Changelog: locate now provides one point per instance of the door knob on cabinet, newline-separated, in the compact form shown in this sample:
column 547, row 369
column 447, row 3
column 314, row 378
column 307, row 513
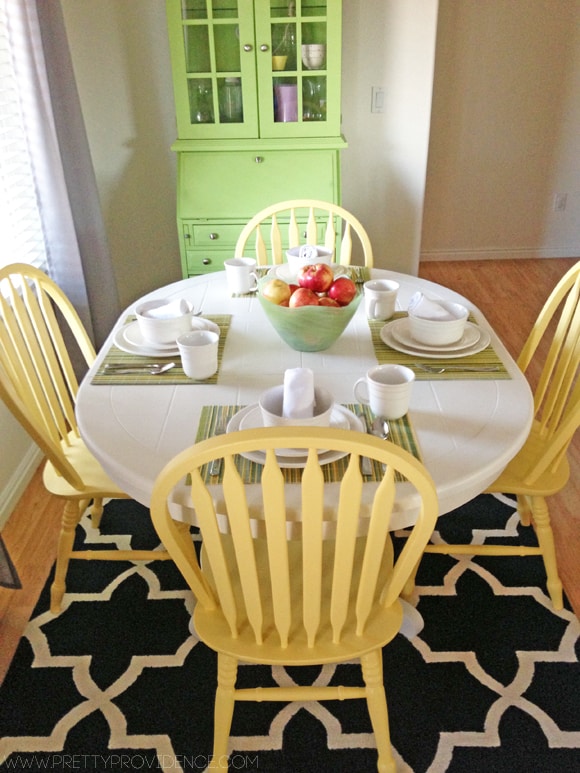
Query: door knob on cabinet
column 206, row 261
column 264, row 47
column 247, row 47
column 214, row 236
column 259, row 159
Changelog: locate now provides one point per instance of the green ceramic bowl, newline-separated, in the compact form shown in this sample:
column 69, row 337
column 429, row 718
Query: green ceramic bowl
column 308, row 328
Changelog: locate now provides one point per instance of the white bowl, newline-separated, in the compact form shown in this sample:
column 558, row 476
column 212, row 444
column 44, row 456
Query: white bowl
column 313, row 55
column 158, row 330
column 271, row 407
column 439, row 332
column 296, row 262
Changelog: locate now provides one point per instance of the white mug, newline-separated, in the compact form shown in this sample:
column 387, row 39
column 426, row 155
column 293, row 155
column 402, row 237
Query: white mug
column 387, row 389
column 380, row 298
column 199, row 353
column 241, row 275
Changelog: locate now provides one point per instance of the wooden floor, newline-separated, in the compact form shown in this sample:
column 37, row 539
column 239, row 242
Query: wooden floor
column 510, row 294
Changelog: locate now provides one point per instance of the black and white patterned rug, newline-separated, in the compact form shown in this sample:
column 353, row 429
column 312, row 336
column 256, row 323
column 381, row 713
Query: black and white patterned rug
column 119, row 681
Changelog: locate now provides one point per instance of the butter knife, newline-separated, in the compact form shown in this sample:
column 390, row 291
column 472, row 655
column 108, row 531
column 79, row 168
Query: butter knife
column 215, row 466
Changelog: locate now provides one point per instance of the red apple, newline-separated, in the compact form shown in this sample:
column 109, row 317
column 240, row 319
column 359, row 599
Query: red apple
column 303, row 297
column 317, row 277
column 326, row 301
column 276, row 291
column 293, row 288
column 342, row 290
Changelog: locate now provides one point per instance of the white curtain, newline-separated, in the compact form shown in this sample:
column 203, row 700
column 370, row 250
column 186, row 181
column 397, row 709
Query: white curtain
column 77, row 252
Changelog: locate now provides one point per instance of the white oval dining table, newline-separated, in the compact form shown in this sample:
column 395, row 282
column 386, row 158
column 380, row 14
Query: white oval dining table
column 467, row 430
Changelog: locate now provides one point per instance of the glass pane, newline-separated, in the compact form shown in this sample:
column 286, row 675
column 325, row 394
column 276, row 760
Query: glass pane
column 197, row 57
column 230, row 100
column 314, row 32
column 282, row 8
column 313, row 8
column 313, row 56
column 225, row 9
column 200, row 100
column 193, row 9
column 314, row 99
column 285, row 100
column 227, row 47
column 283, row 44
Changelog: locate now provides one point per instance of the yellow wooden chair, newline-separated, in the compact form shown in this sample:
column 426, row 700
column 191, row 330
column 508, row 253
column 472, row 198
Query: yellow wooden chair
column 39, row 387
column 541, row 468
column 325, row 592
column 291, row 215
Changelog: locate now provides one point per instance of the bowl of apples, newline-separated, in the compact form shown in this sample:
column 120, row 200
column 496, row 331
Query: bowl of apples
column 312, row 313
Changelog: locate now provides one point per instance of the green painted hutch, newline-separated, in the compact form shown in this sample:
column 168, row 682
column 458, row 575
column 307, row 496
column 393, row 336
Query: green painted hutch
column 257, row 97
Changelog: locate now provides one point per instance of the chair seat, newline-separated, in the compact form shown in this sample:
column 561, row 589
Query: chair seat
column 384, row 624
column 95, row 479
column 513, row 479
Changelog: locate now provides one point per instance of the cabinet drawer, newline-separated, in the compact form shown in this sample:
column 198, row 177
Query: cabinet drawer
column 238, row 184
column 212, row 235
column 204, row 262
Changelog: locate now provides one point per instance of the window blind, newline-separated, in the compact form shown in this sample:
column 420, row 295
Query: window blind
column 21, row 233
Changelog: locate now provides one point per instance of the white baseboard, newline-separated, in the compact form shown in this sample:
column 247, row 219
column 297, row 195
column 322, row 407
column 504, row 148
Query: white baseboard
column 18, row 482
column 498, row 254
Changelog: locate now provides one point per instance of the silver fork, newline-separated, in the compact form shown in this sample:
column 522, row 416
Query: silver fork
column 457, row 368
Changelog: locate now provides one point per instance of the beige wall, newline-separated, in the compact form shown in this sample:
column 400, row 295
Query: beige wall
column 505, row 131
column 390, row 45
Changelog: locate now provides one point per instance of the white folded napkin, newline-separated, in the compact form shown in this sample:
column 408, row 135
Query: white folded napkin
column 425, row 308
column 308, row 252
column 298, row 399
column 169, row 310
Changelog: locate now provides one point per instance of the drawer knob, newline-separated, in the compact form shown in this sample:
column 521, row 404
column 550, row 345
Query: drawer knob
column 206, row 261
column 259, row 159
column 214, row 236
column 247, row 47
column 264, row 47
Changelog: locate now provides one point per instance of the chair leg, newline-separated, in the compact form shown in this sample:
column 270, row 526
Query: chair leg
column 71, row 515
column 541, row 516
column 372, row 670
column 224, row 710
column 523, row 507
column 96, row 511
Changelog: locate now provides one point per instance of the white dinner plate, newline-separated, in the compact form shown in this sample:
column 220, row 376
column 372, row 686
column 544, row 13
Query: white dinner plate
column 400, row 329
column 129, row 339
column 136, row 344
column 133, row 336
column 287, row 275
column 418, row 351
column 250, row 417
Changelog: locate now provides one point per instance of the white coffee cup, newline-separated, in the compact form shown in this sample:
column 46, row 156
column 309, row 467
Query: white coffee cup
column 387, row 389
column 199, row 353
column 380, row 298
column 241, row 275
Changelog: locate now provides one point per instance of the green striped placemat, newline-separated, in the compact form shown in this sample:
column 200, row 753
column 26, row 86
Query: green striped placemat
column 215, row 417
column 173, row 376
column 386, row 355
column 360, row 274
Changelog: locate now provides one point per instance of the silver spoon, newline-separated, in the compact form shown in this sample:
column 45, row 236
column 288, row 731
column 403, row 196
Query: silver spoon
column 456, row 368
column 380, row 428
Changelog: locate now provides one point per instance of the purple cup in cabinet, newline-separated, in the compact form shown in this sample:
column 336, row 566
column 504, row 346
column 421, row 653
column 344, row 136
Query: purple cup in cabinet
column 286, row 103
